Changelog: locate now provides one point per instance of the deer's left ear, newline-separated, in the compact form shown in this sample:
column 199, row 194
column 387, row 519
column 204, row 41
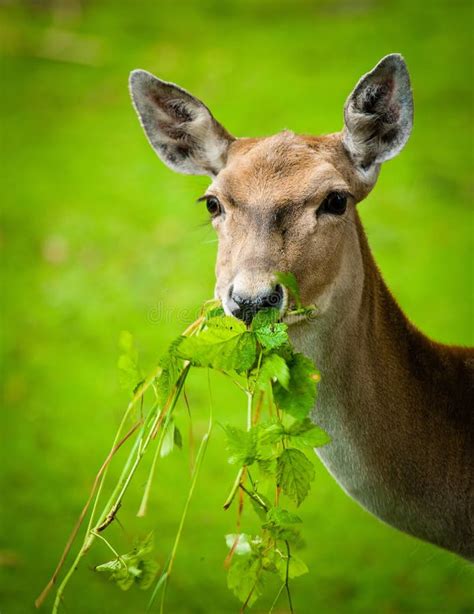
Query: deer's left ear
column 378, row 115
column 180, row 128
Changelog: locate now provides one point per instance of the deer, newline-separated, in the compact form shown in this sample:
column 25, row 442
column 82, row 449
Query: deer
column 398, row 406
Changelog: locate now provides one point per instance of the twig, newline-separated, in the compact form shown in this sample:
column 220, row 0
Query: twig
column 39, row 601
column 144, row 502
column 234, row 489
column 276, row 598
column 255, row 497
column 238, row 479
column 124, row 481
column 287, row 576
column 109, row 545
column 249, row 596
column 228, row 558
column 110, row 512
column 163, row 580
column 190, row 433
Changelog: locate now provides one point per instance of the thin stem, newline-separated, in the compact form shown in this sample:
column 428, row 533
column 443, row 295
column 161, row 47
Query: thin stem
column 287, row 577
column 167, row 572
column 142, row 448
column 229, row 557
column 190, row 432
column 249, row 596
column 109, row 545
column 276, row 598
column 234, row 381
column 255, row 497
column 139, row 394
column 146, row 494
column 82, row 515
column 108, row 514
column 104, row 520
column 238, row 479
column 259, row 364
column 234, row 489
column 258, row 408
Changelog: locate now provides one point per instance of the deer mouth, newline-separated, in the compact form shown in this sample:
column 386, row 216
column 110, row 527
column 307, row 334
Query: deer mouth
column 295, row 315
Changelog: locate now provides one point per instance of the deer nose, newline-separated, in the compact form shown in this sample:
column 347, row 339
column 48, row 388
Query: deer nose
column 245, row 307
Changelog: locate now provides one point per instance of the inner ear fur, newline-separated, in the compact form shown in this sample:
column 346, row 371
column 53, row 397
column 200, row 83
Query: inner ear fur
column 378, row 114
column 179, row 127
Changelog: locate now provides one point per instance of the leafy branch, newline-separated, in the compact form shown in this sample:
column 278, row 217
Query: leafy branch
column 280, row 388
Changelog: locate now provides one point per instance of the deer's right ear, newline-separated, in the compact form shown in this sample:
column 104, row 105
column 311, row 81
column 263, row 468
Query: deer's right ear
column 179, row 127
column 378, row 115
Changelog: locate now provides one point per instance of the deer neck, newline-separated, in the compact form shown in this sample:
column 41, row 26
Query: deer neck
column 355, row 343
column 396, row 405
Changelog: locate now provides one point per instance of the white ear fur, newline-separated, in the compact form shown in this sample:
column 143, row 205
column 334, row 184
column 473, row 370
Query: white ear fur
column 378, row 115
column 179, row 127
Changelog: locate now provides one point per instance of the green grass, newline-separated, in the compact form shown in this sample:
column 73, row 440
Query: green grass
column 98, row 236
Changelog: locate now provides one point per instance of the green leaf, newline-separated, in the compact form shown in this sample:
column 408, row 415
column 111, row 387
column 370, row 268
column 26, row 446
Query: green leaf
column 143, row 546
column 306, row 433
column 299, row 397
column 147, row 568
column 289, row 281
column 135, row 567
column 171, row 367
column 228, row 323
column 225, row 344
column 269, row 332
column 216, row 312
column 178, row 438
column 294, row 474
column 265, row 317
column 212, row 309
column 258, row 508
column 273, row 369
column 271, row 432
column 129, row 371
column 244, row 578
column 277, row 515
column 168, row 440
column 118, row 572
column 296, row 568
column 267, row 467
column 272, row 336
column 241, row 445
column 281, row 524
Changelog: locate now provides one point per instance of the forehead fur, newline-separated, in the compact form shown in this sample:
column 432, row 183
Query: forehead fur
column 286, row 168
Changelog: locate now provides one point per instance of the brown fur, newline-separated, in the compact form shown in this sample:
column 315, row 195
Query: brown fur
column 422, row 427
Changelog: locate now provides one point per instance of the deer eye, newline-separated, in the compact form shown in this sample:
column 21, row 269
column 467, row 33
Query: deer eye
column 335, row 203
column 213, row 206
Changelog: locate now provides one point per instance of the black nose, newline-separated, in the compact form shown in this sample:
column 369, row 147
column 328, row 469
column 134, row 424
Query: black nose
column 245, row 307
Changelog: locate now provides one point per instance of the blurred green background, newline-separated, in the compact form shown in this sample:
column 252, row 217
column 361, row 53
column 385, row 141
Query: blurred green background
column 98, row 236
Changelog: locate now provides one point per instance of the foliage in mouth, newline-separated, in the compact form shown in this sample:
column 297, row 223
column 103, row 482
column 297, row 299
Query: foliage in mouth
column 272, row 455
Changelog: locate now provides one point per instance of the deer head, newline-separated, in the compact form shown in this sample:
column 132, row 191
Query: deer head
column 285, row 202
